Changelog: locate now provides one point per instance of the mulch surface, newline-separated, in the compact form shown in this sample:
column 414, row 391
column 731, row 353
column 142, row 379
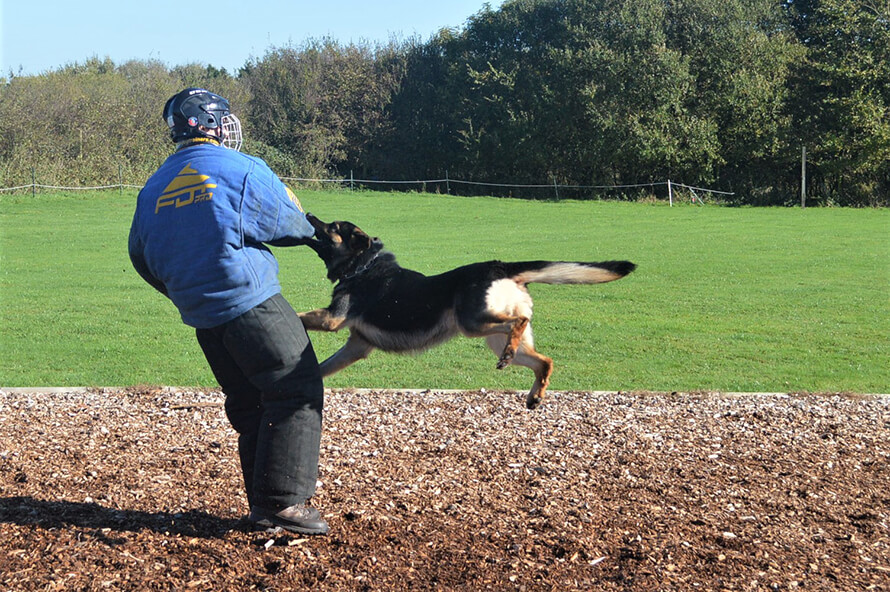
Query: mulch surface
column 139, row 489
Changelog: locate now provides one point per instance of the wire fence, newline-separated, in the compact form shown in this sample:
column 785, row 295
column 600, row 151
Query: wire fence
column 555, row 187
column 33, row 187
column 552, row 190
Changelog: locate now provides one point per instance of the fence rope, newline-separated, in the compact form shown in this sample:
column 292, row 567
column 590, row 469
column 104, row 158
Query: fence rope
column 351, row 181
column 693, row 188
column 480, row 183
column 67, row 188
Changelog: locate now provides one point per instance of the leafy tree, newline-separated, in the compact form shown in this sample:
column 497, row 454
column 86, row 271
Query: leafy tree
column 841, row 104
column 422, row 140
column 322, row 102
column 580, row 90
column 586, row 92
column 740, row 53
column 90, row 123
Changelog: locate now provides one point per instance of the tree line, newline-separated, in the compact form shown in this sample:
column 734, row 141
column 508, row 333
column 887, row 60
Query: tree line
column 718, row 93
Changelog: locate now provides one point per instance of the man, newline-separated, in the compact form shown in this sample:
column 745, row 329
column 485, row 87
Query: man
column 199, row 236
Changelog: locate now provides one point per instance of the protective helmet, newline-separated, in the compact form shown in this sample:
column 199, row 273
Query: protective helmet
column 194, row 107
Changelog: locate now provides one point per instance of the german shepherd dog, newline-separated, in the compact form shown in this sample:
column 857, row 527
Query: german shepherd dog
column 394, row 309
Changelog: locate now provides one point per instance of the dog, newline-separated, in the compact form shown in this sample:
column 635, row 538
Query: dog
column 394, row 309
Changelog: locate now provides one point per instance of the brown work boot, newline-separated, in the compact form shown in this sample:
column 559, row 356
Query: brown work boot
column 298, row 518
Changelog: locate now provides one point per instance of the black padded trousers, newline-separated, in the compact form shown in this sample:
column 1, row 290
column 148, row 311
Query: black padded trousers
column 265, row 365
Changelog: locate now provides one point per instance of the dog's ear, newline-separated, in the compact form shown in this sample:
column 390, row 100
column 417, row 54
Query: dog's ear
column 359, row 241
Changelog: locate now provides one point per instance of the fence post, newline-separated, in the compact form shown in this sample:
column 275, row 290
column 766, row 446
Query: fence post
column 120, row 179
column 556, row 188
column 670, row 194
column 803, row 177
column 351, row 181
column 33, row 182
column 447, row 184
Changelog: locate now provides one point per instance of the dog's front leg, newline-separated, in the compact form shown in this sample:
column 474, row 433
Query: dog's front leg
column 356, row 348
column 321, row 319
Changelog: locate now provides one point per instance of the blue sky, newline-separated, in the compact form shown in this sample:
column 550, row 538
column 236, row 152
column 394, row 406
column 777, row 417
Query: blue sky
column 36, row 35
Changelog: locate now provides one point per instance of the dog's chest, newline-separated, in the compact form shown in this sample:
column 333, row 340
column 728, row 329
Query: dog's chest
column 509, row 298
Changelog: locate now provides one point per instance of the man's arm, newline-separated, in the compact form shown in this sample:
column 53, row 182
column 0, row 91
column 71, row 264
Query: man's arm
column 139, row 264
column 273, row 214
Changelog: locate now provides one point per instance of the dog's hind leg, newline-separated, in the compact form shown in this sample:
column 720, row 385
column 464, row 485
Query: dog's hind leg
column 526, row 356
column 505, row 330
column 514, row 337
column 542, row 367
column 356, row 348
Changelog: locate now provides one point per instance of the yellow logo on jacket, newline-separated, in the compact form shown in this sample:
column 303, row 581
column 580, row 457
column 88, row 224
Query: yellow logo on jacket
column 188, row 187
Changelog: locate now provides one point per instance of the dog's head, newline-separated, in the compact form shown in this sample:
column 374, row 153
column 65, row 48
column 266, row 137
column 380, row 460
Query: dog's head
column 342, row 246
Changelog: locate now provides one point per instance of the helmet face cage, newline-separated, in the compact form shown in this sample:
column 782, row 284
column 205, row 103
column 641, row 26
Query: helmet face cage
column 231, row 132
column 195, row 108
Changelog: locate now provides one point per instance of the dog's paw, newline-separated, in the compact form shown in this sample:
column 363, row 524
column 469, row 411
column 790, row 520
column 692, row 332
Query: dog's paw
column 533, row 402
column 505, row 360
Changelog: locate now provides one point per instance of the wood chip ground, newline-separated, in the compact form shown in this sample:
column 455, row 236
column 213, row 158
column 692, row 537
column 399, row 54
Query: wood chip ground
column 139, row 489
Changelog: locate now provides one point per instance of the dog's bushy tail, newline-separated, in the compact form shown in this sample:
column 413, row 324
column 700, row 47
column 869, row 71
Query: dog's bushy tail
column 567, row 272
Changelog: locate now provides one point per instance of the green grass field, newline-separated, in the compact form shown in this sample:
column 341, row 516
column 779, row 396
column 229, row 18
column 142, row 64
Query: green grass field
column 730, row 299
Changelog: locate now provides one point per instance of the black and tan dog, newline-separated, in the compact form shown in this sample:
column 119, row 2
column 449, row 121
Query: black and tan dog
column 388, row 307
